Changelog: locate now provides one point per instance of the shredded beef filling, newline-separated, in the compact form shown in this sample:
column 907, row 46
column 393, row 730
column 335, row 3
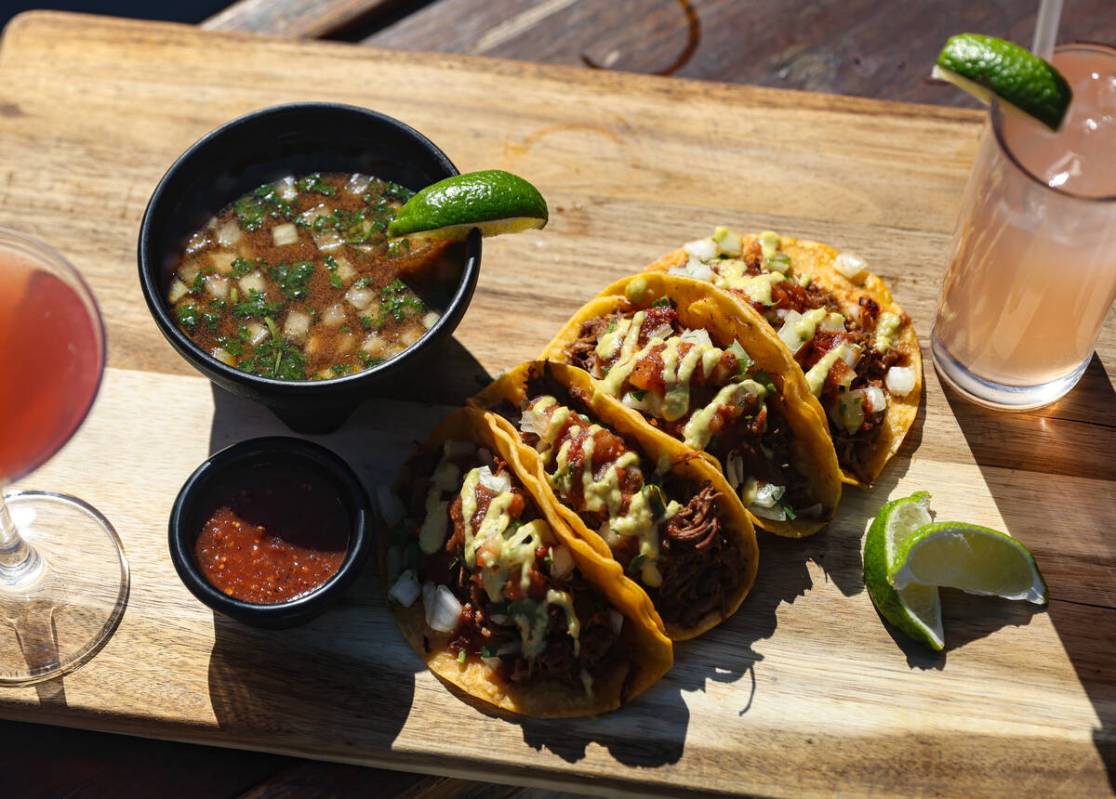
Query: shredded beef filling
column 701, row 566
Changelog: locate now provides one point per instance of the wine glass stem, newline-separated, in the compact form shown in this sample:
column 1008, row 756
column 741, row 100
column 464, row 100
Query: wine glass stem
column 17, row 559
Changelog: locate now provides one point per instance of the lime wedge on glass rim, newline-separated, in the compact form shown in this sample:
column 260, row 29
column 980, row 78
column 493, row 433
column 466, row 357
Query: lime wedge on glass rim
column 494, row 201
column 916, row 610
column 985, row 66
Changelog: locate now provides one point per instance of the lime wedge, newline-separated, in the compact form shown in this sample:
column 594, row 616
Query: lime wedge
column 975, row 559
column 985, row 66
column 915, row 609
column 493, row 200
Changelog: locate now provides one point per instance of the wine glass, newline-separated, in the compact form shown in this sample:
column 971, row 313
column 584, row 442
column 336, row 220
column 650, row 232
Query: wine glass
column 63, row 574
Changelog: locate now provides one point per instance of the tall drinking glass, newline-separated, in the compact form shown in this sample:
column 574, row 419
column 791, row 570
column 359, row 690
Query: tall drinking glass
column 1033, row 269
column 63, row 575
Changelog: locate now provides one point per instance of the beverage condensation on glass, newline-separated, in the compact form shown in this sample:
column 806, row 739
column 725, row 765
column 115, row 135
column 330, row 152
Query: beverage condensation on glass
column 1033, row 270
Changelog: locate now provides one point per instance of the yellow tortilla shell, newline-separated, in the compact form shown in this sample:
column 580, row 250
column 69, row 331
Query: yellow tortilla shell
column 816, row 260
column 512, row 387
column 646, row 653
column 701, row 305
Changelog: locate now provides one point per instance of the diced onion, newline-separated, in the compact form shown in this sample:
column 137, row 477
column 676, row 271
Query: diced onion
column 850, row 265
column 405, row 590
column 874, row 399
column 699, row 337
column 430, row 318
column 532, row 421
column 851, row 354
column 699, row 270
column 900, row 380
column 223, row 355
column 253, row 281
column 663, row 331
column 334, row 315
column 375, row 345
column 297, row 325
column 327, row 240
column 188, row 272
column 702, row 249
column 776, row 513
column 391, row 507
column 222, row 261
column 767, row 494
column 282, row 235
column 410, row 335
column 360, row 298
column 285, row 188
column 177, row 291
column 217, row 287
column 228, row 234
column 561, row 561
column 443, row 610
column 833, row 323
column 788, row 333
column 308, row 216
column 497, row 483
column 345, row 270
column 256, row 333
column 458, row 449
column 615, row 620
column 358, row 183
column 728, row 243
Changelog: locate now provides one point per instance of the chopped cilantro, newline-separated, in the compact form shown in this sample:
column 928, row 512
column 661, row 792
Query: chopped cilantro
column 397, row 191
column 211, row 319
column 276, row 358
column 764, row 379
column 662, row 302
column 242, row 266
column 638, row 394
column 636, row 564
column 366, row 322
column 315, row 183
column 187, row 315
column 368, row 360
column 790, row 512
column 234, row 346
column 256, row 306
column 397, row 301
column 397, row 247
column 461, row 656
column 293, row 279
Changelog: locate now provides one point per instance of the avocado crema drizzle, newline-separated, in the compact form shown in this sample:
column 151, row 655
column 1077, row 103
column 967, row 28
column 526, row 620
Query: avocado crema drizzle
column 497, row 546
column 647, row 508
column 620, row 345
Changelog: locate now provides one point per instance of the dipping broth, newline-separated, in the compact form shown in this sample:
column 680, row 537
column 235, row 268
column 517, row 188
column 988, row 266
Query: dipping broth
column 280, row 534
column 297, row 281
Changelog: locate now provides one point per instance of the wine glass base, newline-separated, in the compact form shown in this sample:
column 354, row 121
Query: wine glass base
column 58, row 614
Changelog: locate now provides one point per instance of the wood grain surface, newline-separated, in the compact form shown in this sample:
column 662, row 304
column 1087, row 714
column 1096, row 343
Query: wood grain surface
column 804, row 692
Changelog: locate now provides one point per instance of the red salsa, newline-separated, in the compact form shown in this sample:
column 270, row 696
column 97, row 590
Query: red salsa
column 277, row 536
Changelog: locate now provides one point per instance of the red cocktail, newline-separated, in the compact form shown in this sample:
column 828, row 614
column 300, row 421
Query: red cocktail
column 63, row 575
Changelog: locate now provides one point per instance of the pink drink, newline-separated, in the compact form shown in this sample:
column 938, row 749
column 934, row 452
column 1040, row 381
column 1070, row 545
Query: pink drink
column 1034, row 261
column 51, row 359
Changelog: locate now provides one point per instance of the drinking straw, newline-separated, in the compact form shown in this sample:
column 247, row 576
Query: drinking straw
column 1046, row 29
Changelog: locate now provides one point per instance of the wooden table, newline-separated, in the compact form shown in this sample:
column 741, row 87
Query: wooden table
column 854, row 51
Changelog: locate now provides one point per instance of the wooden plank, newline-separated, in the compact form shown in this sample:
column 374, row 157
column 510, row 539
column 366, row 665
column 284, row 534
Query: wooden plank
column 297, row 19
column 842, row 48
column 802, row 693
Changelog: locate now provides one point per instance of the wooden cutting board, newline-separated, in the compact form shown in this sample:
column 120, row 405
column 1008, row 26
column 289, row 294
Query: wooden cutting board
column 805, row 691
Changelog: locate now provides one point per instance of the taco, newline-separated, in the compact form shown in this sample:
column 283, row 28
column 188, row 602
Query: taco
column 499, row 597
column 677, row 354
column 666, row 516
column 856, row 345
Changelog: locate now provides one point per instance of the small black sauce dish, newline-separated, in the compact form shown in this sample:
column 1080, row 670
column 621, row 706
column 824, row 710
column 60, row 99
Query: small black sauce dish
column 211, row 482
column 261, row 147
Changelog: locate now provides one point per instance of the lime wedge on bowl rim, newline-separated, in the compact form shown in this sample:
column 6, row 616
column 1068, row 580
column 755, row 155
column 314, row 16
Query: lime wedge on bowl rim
column 985, row 66
column 492, row 200
column 916, row 609
column 975, row 559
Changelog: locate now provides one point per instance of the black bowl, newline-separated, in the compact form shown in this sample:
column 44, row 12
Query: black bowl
column 263, row 146
column 205, row 488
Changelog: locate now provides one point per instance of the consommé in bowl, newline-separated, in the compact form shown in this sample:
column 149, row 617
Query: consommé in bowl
column 267, row 146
